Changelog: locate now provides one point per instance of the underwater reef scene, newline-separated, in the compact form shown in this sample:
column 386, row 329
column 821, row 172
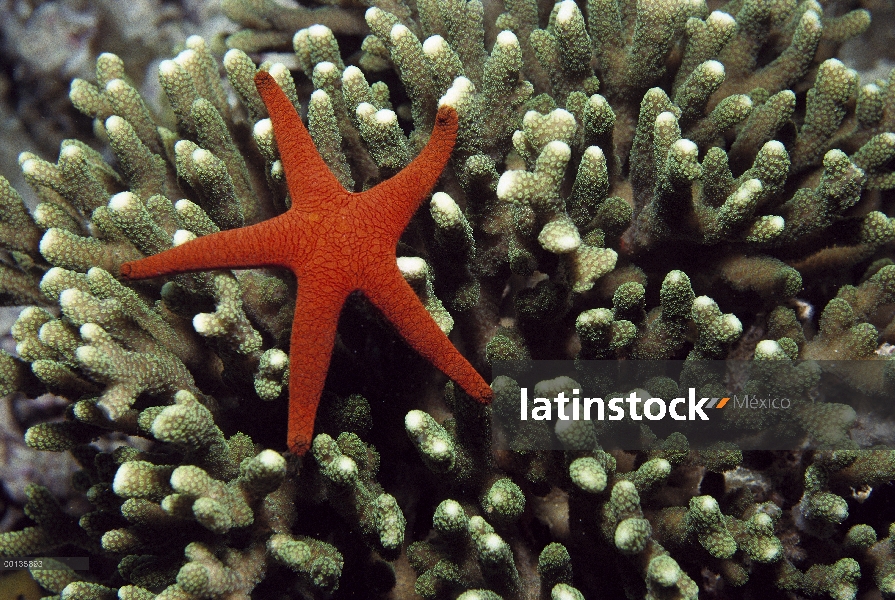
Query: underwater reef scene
column 631, row 181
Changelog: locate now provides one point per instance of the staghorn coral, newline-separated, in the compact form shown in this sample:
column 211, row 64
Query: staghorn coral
column 652, row 180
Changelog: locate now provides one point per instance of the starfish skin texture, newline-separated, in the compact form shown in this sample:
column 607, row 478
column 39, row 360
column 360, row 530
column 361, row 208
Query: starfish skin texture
column 335, row 242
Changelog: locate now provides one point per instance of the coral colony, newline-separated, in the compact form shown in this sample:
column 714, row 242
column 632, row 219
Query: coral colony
column 612, row 180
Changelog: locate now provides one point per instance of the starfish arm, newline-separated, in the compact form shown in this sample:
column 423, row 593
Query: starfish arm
column 317, row 311
column 244, row 248
column 307, row 175
column 392, row 295
column 397, row 199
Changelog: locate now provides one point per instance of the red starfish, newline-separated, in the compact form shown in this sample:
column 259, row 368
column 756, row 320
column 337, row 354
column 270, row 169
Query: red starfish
column 335, row 242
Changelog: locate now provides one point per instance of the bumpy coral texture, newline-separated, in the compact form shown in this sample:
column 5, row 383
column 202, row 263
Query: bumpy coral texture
column 630, row 180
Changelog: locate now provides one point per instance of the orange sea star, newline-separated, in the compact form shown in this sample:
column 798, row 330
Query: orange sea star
column 335, row 242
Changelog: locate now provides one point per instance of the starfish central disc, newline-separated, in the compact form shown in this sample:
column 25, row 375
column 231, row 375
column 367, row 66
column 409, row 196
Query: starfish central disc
column 335, row 242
